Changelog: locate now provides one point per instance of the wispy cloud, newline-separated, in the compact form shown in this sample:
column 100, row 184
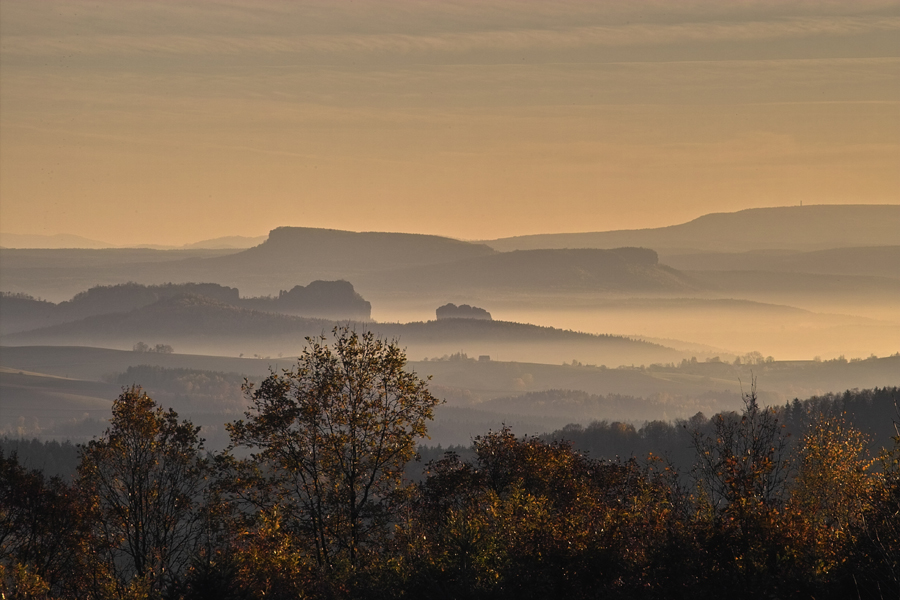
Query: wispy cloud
column 459, row 42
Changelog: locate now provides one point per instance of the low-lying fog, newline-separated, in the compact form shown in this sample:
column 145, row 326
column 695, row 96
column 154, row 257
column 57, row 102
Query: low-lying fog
column 803, row 330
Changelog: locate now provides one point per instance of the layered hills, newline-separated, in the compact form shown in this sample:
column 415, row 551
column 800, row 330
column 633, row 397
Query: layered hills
column 798, row 283
column 791, row 256
column 199, row 324
column 815, row 240
column 374, row 262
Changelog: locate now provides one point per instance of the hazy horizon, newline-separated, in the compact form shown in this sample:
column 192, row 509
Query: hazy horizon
column 232, row 237
column 169, row 123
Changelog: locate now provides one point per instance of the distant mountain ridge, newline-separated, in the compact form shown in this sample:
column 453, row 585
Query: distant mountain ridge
column 385, row 265
column 66, row 241
column 786, row 227
column 228, row 242
column 878, row 261
column 57, row 241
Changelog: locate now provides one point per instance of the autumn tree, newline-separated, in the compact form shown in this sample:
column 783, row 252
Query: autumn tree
column 830, row 493
column 741, row 470
column 832, row 487
column 531, row 519
column 873, row 566
column 330, row 440
column 743, row 463
column 44, row 536
column 145, row 478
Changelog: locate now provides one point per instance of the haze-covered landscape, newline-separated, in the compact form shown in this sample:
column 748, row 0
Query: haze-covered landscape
column 590, row 239
column 814, row 312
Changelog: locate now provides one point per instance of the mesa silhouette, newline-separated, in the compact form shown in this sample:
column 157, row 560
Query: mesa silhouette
column 303, row 249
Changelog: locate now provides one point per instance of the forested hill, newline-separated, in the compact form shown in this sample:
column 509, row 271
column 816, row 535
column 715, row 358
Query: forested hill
column 319, row 299
column 786, row 227
column 175, row 317
column 872, row 411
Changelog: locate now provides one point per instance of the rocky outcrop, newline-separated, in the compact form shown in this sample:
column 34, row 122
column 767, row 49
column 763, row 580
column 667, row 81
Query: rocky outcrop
column 323, row 299
column 463, row 311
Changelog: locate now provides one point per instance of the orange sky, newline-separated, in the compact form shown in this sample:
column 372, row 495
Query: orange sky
column 165, row 122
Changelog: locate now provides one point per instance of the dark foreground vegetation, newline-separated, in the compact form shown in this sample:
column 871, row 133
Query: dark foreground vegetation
column 310, row 502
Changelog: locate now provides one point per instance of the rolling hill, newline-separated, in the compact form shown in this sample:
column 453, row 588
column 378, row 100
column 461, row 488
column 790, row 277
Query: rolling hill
column 788, row 227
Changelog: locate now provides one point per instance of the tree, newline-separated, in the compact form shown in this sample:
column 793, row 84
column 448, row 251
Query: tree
column 332, row 437
column 874, row 562
column 832, row 490
column 832, row 485
column 530, row 519
column 743, row 464
column 741, row 473
column 43, row 535
column 145, row 479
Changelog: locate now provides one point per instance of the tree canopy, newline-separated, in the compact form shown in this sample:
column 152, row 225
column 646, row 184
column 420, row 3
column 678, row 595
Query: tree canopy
column 333, row 436
column 144, row 478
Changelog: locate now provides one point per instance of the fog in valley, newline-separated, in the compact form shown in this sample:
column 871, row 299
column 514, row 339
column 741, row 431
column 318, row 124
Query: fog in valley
column 509, row 336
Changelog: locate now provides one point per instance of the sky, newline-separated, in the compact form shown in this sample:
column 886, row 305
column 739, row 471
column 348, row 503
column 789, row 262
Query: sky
column 173, row 122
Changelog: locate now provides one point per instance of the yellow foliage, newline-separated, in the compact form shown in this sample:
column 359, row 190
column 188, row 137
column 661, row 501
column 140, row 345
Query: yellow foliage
column 17, row 581
column 832, row 489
